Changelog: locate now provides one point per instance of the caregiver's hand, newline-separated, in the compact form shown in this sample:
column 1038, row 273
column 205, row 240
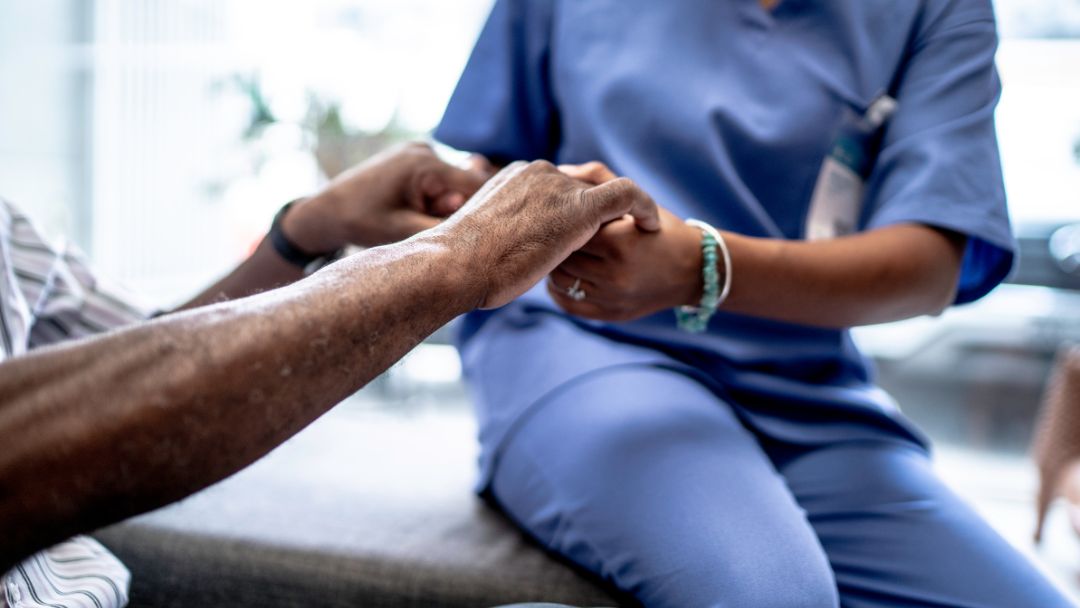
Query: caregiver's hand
column 528, row 219
column 388, row 198
column 624, row 272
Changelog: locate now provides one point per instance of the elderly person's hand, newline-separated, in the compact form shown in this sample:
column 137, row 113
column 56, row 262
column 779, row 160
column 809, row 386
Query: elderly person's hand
column 388, row 198
column 625, row 273
column 529, row 218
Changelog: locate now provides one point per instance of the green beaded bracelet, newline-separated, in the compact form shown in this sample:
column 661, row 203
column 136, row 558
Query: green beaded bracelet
column 695, row 319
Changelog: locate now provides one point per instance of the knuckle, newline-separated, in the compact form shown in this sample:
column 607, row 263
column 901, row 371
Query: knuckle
column 625, row 186
column 542, row 166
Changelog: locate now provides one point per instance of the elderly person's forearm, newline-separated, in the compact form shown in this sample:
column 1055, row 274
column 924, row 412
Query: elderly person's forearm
column 102, row 429
column 142, row 417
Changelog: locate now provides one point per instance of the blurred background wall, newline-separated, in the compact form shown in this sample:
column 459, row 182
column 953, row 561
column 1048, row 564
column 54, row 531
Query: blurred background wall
column 161, row 135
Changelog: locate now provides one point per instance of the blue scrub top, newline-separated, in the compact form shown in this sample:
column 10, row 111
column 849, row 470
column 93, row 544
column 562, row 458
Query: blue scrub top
column 724, row 111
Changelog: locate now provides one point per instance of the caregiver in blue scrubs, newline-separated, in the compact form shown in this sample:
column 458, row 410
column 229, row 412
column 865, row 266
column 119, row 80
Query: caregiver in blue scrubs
column 845, row 152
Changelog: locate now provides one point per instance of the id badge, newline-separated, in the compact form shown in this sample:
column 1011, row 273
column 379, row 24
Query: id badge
column 836, row 204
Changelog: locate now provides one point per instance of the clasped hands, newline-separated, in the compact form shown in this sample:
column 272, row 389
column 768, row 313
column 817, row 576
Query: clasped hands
column 626, row 272
column 600, row 237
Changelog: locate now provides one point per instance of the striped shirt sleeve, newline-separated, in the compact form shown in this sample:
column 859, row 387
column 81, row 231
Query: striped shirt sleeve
column 79, row 573
column 64, row 298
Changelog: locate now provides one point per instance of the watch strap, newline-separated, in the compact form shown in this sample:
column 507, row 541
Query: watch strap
column 288, row 250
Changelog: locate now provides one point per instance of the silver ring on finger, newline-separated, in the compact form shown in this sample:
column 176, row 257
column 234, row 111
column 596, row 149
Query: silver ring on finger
column 575, row 292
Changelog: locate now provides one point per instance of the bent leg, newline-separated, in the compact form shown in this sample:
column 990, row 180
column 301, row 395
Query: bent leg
column 643, row 476
column 897, row 536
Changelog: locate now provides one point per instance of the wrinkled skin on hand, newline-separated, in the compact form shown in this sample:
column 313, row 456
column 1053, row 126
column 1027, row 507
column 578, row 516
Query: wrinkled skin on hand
column 529, row 218
column 386, row 199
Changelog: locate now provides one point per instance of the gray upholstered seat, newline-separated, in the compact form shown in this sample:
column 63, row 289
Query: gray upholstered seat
column 361, row 509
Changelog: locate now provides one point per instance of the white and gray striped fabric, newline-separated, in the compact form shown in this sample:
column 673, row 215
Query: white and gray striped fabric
column 48, row 295
column 79, row 572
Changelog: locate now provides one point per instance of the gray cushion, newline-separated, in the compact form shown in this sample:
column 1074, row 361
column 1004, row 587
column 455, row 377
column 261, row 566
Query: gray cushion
column 361, row 509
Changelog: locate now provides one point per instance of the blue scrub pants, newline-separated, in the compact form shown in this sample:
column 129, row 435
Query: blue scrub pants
column 645, row 477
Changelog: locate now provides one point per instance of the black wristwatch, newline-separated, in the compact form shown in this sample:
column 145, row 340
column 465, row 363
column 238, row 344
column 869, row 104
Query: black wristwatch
column 288, row 250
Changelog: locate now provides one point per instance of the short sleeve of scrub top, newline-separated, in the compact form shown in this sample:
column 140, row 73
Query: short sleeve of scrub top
column 502, row 106
column 940, row 164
